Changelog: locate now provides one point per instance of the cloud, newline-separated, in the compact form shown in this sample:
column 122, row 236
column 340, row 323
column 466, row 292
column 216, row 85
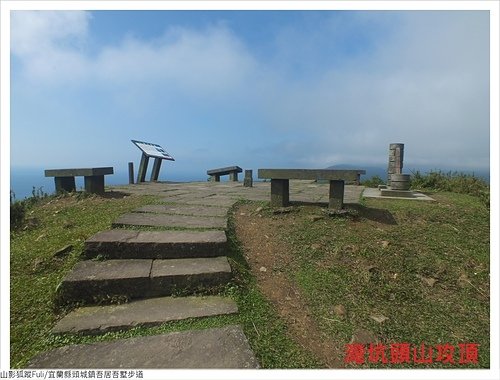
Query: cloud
column 50, row 43
column 338, row 88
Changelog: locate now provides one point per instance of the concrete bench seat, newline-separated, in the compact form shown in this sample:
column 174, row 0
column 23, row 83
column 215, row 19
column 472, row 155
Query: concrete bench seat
column 64, row 179
column 231, row 170
column 280, row 196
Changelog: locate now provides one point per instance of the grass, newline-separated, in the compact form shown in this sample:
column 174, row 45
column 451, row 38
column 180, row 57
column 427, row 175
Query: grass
column 50, row 225
column 424, row 266
column 54, row 223
column 374, row 261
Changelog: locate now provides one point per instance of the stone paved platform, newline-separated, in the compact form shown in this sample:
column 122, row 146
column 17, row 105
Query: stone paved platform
column 227, row 193
column 225, row 347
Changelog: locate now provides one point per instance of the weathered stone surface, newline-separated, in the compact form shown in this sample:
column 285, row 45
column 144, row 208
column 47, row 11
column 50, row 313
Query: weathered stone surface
column 211, row 201
column 167, row 276
column 280, row 195
column 395, row 194
column 78, row 172
column 225, row 347
column 63, row 251
column 165, row 220
column 96, row 280
column 91, row 280
column 248, row 180
column 121, row 243
column 312, row 174
column 336, row 195
column 180, row 209
column 148, row 312
column 224, row 171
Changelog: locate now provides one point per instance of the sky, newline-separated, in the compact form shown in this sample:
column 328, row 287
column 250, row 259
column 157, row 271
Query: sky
column 305, row 89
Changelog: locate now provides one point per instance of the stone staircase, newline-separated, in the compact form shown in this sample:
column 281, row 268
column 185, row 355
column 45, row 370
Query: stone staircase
column 146, row 268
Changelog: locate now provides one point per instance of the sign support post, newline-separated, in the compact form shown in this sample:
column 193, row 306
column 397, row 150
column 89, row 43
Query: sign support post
column 156, row 169
column 143, row 167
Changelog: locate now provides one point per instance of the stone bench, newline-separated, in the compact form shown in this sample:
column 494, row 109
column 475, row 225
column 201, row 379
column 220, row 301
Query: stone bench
column 231, row 170
column 65, row 178
column 280, row 196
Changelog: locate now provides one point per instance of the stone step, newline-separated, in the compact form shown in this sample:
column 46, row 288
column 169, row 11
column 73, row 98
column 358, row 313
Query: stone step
column 128, row 244
column 172, row 221
column 149, row 312
column 218, row 201
column 225, row 347
column 97, row 281
column 183, row 209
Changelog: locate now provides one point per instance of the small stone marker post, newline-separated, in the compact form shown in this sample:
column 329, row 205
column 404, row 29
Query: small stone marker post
column 396, row 152
column 131, row 173
column 248, row 181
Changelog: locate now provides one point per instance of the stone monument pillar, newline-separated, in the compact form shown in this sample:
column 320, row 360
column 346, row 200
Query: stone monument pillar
column 396, row 152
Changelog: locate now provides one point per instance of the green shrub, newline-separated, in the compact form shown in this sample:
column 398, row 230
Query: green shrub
column 453, row 182
column 18, row 208
column 17, row 214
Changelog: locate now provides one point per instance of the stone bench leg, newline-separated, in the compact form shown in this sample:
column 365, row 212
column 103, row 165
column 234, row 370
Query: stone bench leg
column 280, row 196
column 233, row 176
column 336, row 197
column 94, row 184
column 65, row 184
column 216, row 178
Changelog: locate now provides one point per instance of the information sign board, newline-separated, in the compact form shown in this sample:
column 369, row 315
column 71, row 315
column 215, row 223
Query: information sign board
column 153, row 150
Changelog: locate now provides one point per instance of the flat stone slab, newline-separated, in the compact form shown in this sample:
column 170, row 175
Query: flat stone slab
column 128, row 244
column 179, row 209
column 148, row 312
column 165, row 220
column 95, row 280
column 225, row 347
column 413, row 195
column 209, row 201
column 168, row 276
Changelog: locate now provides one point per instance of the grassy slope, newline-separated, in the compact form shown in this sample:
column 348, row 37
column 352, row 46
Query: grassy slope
column 35, row 274
column 443, row 240
column 383, row 262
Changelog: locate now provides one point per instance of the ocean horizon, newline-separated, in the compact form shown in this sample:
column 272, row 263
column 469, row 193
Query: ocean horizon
column 23, row 181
